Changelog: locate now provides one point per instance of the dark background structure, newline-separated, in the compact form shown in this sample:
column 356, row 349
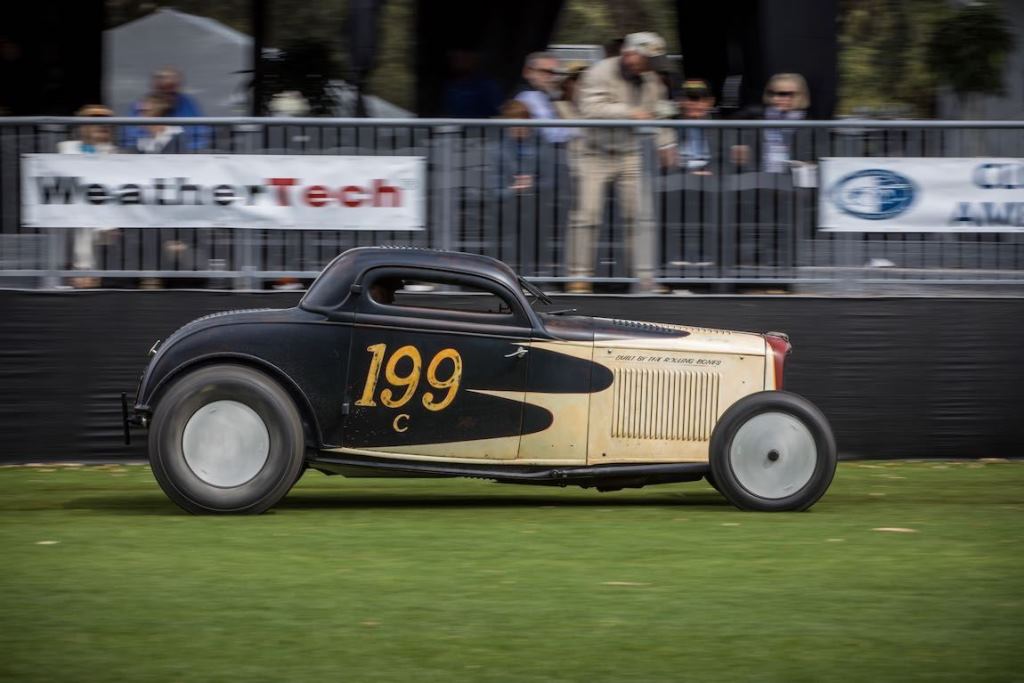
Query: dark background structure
column 52, row 56
column 897, row 377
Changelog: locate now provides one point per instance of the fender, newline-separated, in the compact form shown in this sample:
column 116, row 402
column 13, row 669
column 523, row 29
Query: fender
column 293, row 389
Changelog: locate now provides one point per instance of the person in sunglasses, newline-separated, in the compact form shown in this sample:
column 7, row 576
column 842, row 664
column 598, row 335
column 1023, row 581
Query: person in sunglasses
column 540, row 95
column 695, row 104
column 541, row 76
column 786, row 98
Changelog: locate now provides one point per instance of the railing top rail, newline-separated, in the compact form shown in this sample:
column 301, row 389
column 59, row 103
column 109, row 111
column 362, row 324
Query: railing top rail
column 836, row 124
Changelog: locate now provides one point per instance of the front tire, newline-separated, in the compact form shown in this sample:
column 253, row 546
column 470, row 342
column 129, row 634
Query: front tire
column 773, row 451
column 226, row 439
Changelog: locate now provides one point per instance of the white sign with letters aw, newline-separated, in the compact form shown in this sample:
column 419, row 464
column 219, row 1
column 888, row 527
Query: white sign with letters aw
column 900, row 195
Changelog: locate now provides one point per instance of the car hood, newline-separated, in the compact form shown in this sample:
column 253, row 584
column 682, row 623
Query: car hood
column 612, row 332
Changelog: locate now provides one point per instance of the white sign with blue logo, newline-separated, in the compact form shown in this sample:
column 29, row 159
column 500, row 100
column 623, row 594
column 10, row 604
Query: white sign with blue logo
column 895, row 195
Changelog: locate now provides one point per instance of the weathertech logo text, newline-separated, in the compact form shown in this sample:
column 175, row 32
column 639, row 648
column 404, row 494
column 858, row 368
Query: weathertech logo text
column 285, row 191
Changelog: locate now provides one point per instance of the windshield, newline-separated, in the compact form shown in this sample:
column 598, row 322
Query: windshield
column 533, row 292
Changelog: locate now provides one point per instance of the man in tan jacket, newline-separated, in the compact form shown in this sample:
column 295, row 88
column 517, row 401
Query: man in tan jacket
column 623, row 87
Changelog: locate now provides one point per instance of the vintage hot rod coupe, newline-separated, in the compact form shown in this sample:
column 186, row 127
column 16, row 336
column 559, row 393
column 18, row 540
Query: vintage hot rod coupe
column 367, row 378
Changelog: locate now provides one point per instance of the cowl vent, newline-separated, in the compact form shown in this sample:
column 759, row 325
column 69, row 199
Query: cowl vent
column 646, row 327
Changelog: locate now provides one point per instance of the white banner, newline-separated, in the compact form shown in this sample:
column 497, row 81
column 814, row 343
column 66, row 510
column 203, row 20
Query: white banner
column 922, row 195
column 210, row 190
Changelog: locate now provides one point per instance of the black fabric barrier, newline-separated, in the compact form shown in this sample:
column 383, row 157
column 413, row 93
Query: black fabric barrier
column 897, row 377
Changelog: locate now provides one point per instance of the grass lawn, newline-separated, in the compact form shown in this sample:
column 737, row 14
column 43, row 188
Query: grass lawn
column 103, row 579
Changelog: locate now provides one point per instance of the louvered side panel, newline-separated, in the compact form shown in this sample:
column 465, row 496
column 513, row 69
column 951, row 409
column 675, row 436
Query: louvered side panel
column 674, row 405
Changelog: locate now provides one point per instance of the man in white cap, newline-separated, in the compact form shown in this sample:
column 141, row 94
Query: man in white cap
column 623, row 87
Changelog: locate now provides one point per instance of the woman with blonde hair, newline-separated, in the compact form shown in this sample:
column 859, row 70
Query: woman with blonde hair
column 787, row 92
column 92, row 138
column 786, row 98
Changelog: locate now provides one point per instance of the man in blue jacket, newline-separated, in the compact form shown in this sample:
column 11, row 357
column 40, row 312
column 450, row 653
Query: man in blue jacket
column 167, row 82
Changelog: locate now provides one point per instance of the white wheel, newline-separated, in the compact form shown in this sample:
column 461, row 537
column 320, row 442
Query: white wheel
column 225, row 443
column 773, row 455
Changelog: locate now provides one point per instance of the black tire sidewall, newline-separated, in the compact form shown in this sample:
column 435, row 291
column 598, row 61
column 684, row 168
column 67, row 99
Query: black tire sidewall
column 772, row 401
column 245, row 385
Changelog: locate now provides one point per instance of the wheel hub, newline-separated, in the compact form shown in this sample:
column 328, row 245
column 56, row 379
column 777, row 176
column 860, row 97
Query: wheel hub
column 225, row 443
column 773, row 455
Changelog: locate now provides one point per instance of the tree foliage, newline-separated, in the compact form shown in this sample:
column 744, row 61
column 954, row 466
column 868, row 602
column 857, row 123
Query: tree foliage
column 595, row 23
column 894, row 54
column 969, row 49
column 882, row 50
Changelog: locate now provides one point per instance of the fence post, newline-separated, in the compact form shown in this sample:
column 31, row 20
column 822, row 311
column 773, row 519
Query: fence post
column 727, row 229
column 55, row 249
column 245, row 242
column 250, row 262
column 852, row 283
column 645, row 233
column 444, row 179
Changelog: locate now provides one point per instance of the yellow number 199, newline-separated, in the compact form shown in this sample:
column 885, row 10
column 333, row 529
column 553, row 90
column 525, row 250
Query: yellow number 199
column 410, row 380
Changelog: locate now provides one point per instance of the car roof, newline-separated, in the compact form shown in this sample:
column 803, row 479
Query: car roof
column 335, row 282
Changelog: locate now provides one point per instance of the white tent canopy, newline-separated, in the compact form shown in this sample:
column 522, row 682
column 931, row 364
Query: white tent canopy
column 211, row 56
column 208, row 53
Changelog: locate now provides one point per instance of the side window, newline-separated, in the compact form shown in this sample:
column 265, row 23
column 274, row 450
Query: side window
column 416, row 291
column 384, row 290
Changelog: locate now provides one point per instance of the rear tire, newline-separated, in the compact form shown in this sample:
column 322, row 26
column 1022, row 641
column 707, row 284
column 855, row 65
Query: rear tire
column 226, row 439
column 772, row 451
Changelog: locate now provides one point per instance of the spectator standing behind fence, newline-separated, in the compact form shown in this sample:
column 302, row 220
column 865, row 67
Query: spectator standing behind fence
column 92, row 139
column 161, row 139
column 623, row 87
column 519, row 159
column 695, row 104
column 786, row 98
column 541, row 73
column 168, row 82
column 540, row 95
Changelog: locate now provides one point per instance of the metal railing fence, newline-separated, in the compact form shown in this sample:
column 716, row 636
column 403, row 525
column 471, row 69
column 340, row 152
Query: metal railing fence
column 729, row 222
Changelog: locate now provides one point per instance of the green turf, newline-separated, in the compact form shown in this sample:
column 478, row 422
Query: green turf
column 103, row 579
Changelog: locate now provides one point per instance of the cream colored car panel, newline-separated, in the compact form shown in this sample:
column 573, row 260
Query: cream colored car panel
column 664, row 402
column 565, row 441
